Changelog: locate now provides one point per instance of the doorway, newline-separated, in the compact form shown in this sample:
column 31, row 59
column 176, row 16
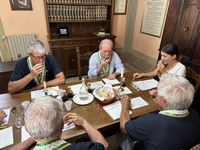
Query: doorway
column 4, row 50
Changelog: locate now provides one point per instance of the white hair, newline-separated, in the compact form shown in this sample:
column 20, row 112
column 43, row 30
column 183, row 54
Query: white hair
column 43, row 119
column 105, row 41
column 176, row 90
column 36, row 46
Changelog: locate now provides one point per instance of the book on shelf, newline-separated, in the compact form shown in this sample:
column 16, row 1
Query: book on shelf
column 145, row 84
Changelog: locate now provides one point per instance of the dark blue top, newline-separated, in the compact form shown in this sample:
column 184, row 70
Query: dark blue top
column 85, row 146
column 160, row 132
column 21, row 70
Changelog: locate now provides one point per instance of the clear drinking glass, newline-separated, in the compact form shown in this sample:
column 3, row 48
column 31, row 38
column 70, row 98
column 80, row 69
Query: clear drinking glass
column 19, row 119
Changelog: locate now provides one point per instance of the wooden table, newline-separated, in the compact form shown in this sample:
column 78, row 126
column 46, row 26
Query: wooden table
column 99, row 119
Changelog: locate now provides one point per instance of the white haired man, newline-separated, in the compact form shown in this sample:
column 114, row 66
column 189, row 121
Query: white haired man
column 105, row 62
column 174, row 127
column 33, row 70
column 44, row 121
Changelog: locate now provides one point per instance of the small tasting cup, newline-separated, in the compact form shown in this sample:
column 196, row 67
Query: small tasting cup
column 68, row 105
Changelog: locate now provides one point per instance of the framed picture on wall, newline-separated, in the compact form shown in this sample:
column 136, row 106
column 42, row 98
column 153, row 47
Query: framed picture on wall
column 120, row 7
column 20, row 4
column 153, row 18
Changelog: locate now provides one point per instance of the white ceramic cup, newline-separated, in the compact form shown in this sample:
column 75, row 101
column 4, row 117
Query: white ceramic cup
column 25, row 105
column 68, row 105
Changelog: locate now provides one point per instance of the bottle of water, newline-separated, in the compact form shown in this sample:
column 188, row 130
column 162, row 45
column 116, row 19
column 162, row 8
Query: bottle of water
column 83, row 93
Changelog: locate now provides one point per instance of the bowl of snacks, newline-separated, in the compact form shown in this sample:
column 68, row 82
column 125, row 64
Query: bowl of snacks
column 104, row 94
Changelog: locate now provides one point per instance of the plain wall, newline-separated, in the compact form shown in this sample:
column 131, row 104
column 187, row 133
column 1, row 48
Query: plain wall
column 119, row 28
column 25, row 22
column 144, row 43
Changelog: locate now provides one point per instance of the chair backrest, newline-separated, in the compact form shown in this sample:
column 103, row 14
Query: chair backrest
column 83, row 56
column 78, row 62
column 193, row 77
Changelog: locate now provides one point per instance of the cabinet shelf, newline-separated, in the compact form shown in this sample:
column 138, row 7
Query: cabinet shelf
column 81, row 20
column 80, row 4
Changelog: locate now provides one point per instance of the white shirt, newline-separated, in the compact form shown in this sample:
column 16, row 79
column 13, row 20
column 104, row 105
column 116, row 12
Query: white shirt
column 178, row 69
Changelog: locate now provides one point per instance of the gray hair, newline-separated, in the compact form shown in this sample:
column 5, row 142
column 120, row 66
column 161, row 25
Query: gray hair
column 176, row 90
column 105, row 41
column 43, row 119
column 36, row 46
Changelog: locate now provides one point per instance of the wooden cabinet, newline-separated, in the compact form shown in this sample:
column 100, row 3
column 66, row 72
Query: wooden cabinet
column 80, row 21
column 6, row 69
column 65, row 51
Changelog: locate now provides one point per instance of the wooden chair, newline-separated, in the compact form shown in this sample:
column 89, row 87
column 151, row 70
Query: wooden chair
column 193, row 77
column 78, row 62
column 82, row 60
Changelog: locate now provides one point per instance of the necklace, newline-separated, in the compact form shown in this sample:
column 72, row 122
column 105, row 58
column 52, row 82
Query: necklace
column 174, row 112
column 52, row 145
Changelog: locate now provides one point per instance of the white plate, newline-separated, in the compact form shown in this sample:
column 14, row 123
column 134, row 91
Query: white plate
column 83, row 102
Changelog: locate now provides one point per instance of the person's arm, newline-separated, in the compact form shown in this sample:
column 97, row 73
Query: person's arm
column 24, row 145
column 58, row 80
column 16, row 86
column 118, row 66
column 93, row 133
column 124, row 117
column 93, row 65
column 148, row 74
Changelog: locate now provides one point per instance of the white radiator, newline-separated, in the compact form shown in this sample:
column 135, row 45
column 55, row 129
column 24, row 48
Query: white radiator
column 18, row 44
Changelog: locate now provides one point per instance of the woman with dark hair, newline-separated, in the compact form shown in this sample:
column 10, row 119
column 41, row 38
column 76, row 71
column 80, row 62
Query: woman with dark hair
column 168, row 64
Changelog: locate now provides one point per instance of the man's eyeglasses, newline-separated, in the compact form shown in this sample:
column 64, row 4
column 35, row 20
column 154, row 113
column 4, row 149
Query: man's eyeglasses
column 38, row 57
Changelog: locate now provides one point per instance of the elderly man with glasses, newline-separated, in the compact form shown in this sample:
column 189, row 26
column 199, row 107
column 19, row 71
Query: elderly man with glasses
column 33, row 70
column 174, row 127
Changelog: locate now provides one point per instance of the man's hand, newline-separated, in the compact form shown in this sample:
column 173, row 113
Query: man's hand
column 104, row 62
column 2, row 115
column 74, row 118
column 36, row 70
column 153, row 93
column 112, row 76
column 125, row 102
